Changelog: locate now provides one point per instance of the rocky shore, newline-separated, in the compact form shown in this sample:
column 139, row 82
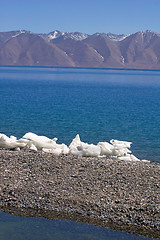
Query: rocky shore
column 107, row 190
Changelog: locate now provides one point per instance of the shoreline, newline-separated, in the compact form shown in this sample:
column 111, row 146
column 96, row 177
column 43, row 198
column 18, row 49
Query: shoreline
column 87, row 68
column 56, row 215
column 116, row 192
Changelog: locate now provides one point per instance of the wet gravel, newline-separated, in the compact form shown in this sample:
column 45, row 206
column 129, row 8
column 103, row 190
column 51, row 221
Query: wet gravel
column 106, row 189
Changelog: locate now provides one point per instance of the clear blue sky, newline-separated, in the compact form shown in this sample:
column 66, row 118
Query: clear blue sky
column 88, row 16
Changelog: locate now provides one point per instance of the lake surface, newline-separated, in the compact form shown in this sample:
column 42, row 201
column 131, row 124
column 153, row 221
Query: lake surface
column 98, row 104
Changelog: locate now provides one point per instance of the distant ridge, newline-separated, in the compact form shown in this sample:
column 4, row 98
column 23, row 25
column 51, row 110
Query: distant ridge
column 140, row 50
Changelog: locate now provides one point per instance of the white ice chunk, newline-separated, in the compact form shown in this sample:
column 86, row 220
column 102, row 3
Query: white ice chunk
column 106, row 148
column 120, row 148
column 35, row 137
column 120, row 151
column 42, row 142
column 89, row 150
column 116, row 149
column 33, row 148
column 65, row 149
column 146, row 161
column 129, row 157
column 84, row 149
column 21, row 140
column 126, row 158
column 56, row 151
column 73, row 147
column 75, row 142
column 133, row 158
column 55, row 139
column 13, row 138
column 10, row 143
column 121, row 143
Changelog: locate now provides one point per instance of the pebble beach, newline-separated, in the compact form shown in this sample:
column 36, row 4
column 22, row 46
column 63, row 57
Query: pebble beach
column 107, row 190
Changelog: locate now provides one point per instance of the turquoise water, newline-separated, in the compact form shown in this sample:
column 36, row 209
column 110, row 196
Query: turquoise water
column 97, row 104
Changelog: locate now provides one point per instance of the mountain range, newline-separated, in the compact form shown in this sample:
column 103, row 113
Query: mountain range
column 75, row 49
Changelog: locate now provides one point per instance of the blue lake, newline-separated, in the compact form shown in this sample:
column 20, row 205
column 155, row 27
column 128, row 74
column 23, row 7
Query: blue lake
column 98, row 104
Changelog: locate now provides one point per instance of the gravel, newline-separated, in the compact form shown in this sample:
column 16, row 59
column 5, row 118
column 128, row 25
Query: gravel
column 109, row 190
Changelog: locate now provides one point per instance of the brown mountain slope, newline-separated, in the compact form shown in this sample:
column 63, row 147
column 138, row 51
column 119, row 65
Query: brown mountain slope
column 30, row 49
column 81, row 53
column 4, row 36
column 139, row 50
column 107, row 50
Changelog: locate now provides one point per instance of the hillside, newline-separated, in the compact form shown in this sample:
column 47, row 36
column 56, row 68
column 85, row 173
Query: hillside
column 138, row 50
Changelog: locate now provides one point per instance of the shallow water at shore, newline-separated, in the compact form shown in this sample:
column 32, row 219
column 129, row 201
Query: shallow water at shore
column 15, row 228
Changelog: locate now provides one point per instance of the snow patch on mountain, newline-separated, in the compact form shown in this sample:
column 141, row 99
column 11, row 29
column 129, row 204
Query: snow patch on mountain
column 149, row 34
column 17, row 33
column 67, row 35
column 113, row 37
column 99, row 54
column 55, row 34
column 122, row 59
column 117, row 37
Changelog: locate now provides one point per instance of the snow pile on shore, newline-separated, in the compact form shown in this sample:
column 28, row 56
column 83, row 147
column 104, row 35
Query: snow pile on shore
column 114, row 149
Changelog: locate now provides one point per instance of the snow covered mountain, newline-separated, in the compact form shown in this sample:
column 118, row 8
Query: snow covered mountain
column 138, row 50
column 81, row 36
